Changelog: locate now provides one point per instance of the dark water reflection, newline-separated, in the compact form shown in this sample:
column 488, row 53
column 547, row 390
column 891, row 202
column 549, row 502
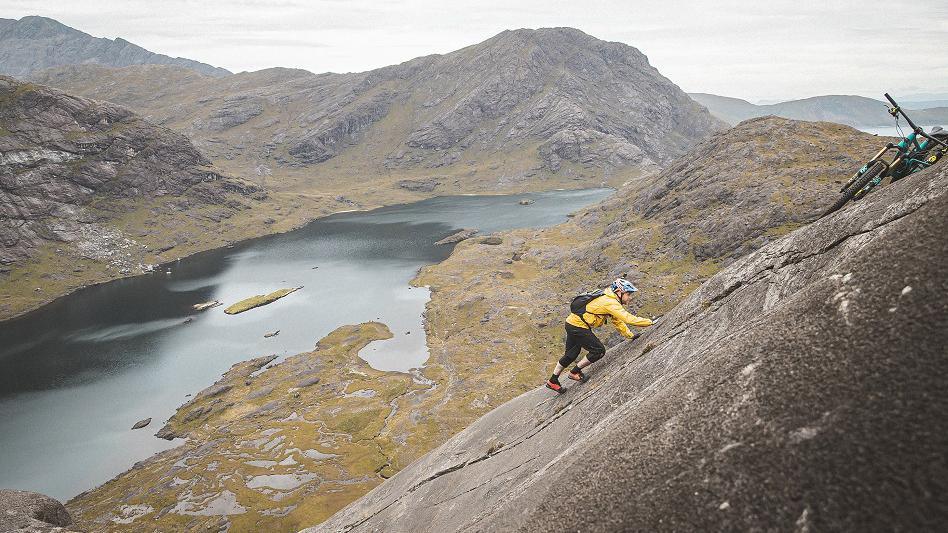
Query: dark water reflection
column 76, row 374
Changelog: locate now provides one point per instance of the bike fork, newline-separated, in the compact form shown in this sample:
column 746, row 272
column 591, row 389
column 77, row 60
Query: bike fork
column 865, row 167
column 869, row 186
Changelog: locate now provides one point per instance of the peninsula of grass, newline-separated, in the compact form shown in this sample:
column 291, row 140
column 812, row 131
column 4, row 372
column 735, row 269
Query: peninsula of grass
column 258, row 300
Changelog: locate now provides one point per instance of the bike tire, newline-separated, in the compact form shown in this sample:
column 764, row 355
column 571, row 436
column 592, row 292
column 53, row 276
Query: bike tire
column 857, row 186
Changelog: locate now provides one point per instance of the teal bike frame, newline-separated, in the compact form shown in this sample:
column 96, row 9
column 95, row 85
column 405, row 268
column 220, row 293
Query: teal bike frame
column 910, row 155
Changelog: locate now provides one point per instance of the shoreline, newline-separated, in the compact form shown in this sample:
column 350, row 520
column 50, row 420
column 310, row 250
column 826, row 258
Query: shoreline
column 182, row 440
column 168, row 262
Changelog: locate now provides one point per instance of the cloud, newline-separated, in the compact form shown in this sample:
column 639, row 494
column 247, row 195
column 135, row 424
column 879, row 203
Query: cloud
column 778, row 49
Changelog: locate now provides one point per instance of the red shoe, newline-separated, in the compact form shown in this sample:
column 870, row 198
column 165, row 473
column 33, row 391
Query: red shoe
column 552, row 385
column 577, row 375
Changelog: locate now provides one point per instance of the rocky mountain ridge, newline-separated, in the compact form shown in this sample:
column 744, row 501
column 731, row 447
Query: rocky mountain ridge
column 855, row 111
column 799, row 388
column 526, row 108
column 35, row 43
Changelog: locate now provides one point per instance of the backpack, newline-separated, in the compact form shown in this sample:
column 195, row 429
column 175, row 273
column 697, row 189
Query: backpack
column 577, row 305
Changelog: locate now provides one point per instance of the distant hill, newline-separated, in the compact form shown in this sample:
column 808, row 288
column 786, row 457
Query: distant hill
column 856, row 111
column 922, row 104
column 36, row 43
column 923, row 100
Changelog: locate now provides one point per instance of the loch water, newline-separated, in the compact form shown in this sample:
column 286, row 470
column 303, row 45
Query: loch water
column 76, row 374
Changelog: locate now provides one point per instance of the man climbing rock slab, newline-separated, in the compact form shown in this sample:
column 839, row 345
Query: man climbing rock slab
column 588, row 311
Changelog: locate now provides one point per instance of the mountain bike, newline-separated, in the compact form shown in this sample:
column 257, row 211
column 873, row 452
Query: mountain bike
column 909, row 156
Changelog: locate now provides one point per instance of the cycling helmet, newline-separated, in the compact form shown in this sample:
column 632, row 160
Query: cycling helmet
column 622, row 284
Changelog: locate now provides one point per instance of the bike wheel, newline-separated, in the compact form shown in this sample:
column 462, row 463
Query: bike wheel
column 857, row 186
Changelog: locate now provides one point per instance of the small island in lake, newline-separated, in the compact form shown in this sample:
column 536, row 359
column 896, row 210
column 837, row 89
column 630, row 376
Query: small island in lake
column 258, row 300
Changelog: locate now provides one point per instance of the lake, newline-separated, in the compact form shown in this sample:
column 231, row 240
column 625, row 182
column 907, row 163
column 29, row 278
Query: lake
column 80, row 371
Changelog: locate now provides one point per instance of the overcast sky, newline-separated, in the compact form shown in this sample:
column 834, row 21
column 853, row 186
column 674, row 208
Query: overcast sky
column 770, row 50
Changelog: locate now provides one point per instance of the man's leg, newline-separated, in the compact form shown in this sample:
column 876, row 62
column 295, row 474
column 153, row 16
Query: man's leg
column 573, row 346
column 595, row 348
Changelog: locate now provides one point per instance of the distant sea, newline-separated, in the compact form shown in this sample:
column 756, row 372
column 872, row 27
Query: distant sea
column 892, row 131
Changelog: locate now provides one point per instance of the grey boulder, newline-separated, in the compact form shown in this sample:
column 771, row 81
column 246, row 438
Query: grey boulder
column 22, row 510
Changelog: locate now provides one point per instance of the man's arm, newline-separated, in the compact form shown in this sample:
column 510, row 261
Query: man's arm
column 621, row 317
column 622, row 328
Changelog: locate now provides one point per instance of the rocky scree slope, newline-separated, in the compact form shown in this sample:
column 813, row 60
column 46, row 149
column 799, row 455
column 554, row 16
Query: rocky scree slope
column 800, row 388
column 524, row 109
column 87, row 186
column 36, row 43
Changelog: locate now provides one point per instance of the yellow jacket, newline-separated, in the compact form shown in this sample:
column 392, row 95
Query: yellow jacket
column 608, row 305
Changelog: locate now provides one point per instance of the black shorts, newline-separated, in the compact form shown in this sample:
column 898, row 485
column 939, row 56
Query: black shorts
column 578, row 338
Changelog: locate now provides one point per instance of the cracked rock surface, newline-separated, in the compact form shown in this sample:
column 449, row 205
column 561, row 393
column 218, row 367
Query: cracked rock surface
column 802, row 387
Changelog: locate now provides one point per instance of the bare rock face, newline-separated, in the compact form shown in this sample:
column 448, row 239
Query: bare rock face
column 69, row 165
column 234, row 112
column 632, row 100
column 802, row 387
column 35, row 43
column 327, row 140
column 21, row 510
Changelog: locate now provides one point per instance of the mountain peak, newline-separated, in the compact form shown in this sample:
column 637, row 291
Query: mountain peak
column 560, row 32
column 37, row 27
column 558, row 37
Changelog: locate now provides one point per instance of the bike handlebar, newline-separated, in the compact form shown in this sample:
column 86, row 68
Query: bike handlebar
column 915, row 128
column 897, row 109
